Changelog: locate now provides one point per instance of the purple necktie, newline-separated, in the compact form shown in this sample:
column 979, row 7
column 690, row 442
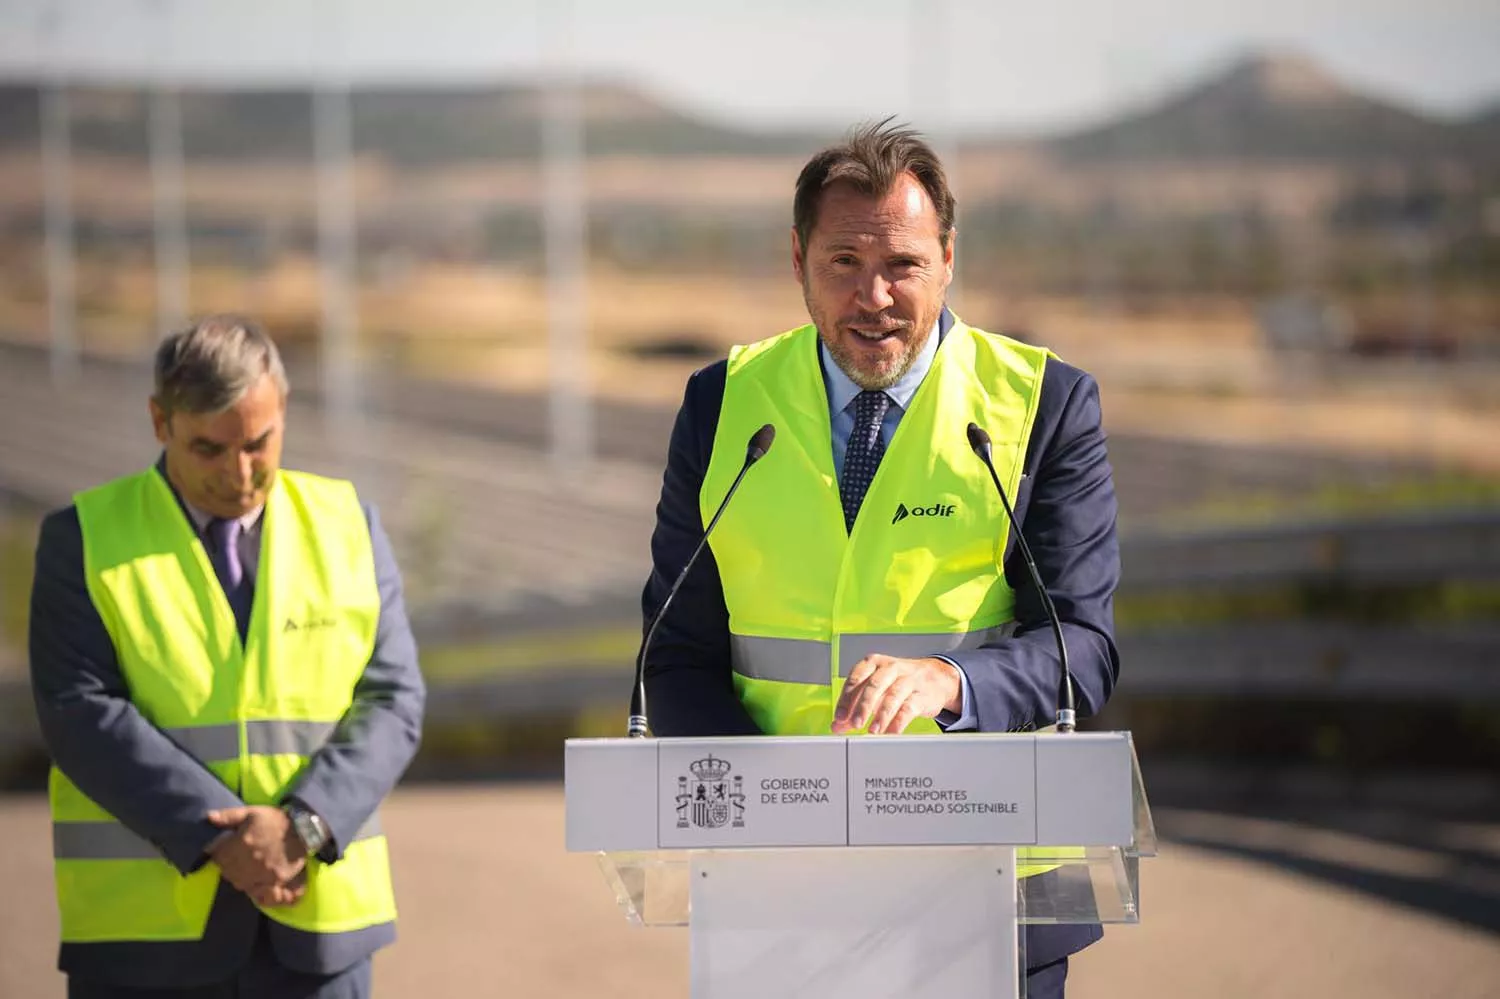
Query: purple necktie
column 864, row 451
column 224, row 537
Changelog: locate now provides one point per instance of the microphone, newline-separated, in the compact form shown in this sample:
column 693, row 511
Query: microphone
column 760, row 443
column 1066, row 715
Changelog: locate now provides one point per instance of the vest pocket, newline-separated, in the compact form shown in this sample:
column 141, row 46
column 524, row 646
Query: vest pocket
column 125, row 900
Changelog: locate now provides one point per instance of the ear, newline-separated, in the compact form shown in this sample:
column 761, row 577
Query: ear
column 948, row 253
column 799, row 258
column 160, row 422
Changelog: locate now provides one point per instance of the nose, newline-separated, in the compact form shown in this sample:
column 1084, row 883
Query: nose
column 874, row 292
column 242, row 470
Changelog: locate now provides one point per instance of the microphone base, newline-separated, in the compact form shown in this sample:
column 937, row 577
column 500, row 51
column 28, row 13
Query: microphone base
column 636, row 727
column 1066, row 719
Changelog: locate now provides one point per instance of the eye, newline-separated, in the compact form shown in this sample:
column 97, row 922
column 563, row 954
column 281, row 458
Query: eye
column 259, row 444
column 845, row 260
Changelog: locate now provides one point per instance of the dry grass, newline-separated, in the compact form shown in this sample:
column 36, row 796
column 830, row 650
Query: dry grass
column 1190, row 369
column 118, row 189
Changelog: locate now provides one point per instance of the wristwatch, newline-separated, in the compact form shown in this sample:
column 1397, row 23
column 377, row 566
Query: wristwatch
column 310, row 828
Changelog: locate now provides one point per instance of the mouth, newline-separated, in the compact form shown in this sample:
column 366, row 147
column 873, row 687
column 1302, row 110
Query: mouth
column 874, row 334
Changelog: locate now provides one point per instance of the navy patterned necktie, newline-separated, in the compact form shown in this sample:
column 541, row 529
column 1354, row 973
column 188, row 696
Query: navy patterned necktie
column 224, row 535
column 863, row 454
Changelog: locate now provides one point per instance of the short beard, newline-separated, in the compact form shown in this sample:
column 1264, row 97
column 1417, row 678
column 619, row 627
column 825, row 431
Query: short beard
column 873, row 381
column 870, row 382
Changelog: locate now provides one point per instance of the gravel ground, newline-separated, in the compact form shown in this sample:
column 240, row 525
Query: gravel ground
column 491, row 905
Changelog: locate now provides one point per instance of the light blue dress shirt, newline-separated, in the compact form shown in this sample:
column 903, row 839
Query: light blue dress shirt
column 841, row 393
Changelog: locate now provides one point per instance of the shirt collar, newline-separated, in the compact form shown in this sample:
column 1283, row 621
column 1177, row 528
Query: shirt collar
column 842, row 390
column 201, row 518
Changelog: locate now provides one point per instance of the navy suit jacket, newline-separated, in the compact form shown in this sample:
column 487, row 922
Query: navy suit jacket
column 135, row 772
column 1067, row 510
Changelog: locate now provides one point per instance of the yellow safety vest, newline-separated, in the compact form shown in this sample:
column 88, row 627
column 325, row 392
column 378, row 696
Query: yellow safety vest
column 920, row 573
column 252, row 712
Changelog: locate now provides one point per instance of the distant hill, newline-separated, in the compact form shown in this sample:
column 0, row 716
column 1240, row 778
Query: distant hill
column 1278, row 107
column 1484, row 130
column 1266, row 107
column 409, row 126
column 18, row 114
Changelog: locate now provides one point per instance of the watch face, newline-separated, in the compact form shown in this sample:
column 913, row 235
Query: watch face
column 310, row 831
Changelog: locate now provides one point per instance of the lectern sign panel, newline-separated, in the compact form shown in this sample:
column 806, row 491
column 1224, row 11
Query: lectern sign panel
column 937, row 790
column 747, row 792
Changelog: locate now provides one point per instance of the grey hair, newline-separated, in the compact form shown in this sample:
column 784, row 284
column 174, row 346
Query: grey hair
column 209, row 366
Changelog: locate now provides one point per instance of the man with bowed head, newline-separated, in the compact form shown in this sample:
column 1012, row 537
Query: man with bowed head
column 937, row 625
column 228, row 686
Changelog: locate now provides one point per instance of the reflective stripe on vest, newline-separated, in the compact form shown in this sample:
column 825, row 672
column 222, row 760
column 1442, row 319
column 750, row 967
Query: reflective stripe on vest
column 112, row 841
column 109, row 840
column 802, row 660
column 265, row 737
column 253, row 713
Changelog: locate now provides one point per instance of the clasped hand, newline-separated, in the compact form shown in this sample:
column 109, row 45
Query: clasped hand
column 889, row 693
column 263, row 856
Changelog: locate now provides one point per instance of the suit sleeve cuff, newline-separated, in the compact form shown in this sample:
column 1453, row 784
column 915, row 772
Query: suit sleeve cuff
column 966, row 720
column 188, row 854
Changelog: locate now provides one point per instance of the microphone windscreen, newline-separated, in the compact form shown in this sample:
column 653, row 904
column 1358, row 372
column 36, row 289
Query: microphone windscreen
column 760, row 443
column 979, row 441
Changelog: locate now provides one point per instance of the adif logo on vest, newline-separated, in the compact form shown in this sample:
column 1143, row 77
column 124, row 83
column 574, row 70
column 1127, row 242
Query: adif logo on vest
column 311, row 624
column 936, row 510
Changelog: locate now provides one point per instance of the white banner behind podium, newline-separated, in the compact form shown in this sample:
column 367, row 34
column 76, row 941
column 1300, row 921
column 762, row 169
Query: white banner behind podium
column 862, row 924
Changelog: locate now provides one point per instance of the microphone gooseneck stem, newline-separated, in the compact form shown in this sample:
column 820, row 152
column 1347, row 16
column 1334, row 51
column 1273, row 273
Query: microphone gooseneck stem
column 637, row 726
column 1067, row 714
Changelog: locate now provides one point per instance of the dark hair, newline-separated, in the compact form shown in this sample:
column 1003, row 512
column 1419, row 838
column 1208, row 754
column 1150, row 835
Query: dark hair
column 872, row 159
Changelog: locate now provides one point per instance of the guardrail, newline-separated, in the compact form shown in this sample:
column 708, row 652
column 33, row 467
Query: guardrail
column 1315, row 659
column 1410, row 547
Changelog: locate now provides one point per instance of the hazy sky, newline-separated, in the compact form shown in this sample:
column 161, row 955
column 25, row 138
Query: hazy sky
column 826, row 62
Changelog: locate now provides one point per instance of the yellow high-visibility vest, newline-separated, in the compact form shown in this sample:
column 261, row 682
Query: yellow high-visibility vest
column 253, row 712
column 920, row 572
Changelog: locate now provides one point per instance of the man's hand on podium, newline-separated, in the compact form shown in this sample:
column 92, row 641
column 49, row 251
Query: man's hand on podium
column 889, row 693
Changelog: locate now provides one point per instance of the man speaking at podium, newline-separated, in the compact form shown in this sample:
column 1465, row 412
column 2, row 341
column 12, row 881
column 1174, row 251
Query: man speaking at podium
column 864, row 577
